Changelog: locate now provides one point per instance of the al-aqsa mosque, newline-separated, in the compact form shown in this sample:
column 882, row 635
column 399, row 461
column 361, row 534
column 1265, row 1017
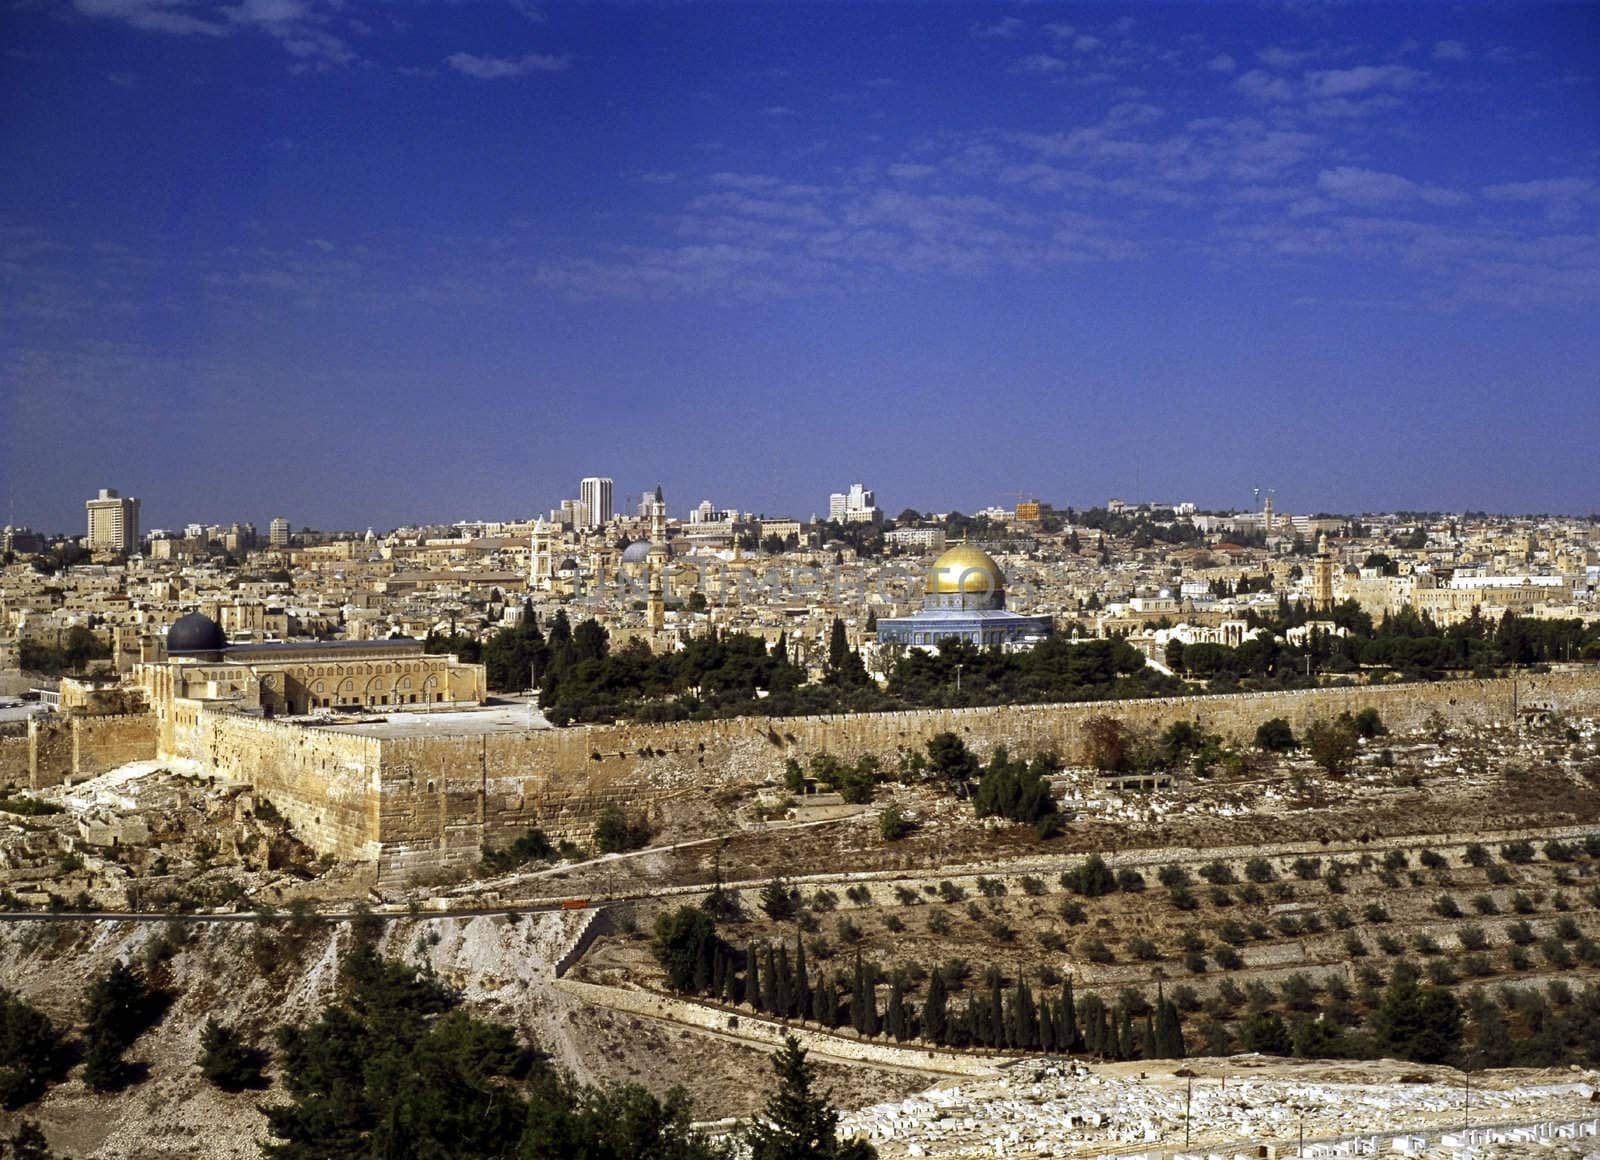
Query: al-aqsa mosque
column 964, row 598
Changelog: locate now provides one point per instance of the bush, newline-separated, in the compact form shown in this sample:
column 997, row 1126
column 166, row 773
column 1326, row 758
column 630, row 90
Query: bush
column 893, row 823
column 1521, row 903
column 1130, row 880
column 1375, row 913
column 1258, row 869
column 780, row 901
column 1073, row 913
column 227, row 1062
column 1353, row 946
column 1143, row 949
column 1226, row 957
column 1170, row 876
column 1182, row 898
column 686, row 945
column 615, row 833
column 30, row 1051
column 1090, row 878
column 991, row 887
column 1275, row 736
column 1497, row 874
column 1218, row 873
column 1095, row 950
column 1032, row 886
column 1484, row 904
column 1390, row 945
column 1472, row 938
column 1447, row 907
column 1432, row 859
column 1520, row 933
column 1520, row 852
column 1307, row 869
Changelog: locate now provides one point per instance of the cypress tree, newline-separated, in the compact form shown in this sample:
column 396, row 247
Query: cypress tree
column 997, row 1012
column 822, row 1002
column 1094, row 1023
column 730, row 981
column 1047, row 1027
column 869, row 1009
column 752, row 978
column 896, row 1021
column 1027, row 1018
column 1169, row 1030
column 718, row 976
column 1149, row 1049
column 802, row 984
column 1067, row 1033
column 858, row 989
column 783, row 984
column 1125, row 1038
column 769, row 982
column 935, row 1015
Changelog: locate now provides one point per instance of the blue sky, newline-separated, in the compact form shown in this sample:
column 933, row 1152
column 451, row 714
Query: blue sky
column 371, row 263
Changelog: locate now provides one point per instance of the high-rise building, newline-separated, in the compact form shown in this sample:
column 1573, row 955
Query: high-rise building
column 278, row 533
column 113, row 522
column 595, row 492
column 857, row 506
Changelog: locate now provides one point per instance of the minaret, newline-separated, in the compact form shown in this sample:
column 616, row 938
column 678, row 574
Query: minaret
column 658, row 519
column 1322, row 576
column 1266, row 516
column 658, row 603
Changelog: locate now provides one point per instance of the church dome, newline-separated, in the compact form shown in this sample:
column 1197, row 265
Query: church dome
column 637, row 552
column 965, row 569
column 195, row 633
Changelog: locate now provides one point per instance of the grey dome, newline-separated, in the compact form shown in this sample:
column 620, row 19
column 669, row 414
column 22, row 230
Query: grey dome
column 195, row 633
column 637, row 552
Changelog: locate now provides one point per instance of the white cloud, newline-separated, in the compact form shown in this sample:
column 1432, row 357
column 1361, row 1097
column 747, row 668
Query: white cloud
column 1263, row 86
column 1222, row 63
column 1550, row 189
column 1087, row 43
column 1369, row 187
column 488, row 68
column 1003, row 29
column 152, row 16
column 1344, row 82
column 904, row 172
column 1061, row 31
column 1282, row 58
column 268, row 12
column 1450, row 50
column 1040, row 63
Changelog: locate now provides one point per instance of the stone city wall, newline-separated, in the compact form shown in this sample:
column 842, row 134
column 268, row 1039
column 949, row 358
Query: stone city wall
column 443, row 798
column 323, row 781
column 66, row 749
column 14, row 764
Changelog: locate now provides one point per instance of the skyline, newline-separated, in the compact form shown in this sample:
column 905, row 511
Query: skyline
column 373, row 266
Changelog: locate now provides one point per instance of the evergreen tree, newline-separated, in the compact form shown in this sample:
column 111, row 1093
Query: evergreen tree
column 1047, row 1027
column 30, row 1051
column 1125, row 1046
column 1068, row 1036
column 769, row 982
column 1147, row 1047
column 119, row 1007
column 1026, row 1021
column 802, row 984
column 784, row 992
column 935, row 1016
column 227, row 1061
column 798, row 1123
column 896, row 1020
column 752, row 978
column 1169, row 1029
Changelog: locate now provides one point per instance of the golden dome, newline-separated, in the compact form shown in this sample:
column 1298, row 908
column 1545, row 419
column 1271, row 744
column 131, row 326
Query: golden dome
column 964, row 569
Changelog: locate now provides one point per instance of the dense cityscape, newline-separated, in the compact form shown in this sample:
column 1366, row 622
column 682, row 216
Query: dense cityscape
column 745, row 581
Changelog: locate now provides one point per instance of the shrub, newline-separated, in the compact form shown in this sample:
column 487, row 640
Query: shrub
column 1226, row 957
column 1520, row 852
column 1130, row 880
column 1425, row 943
column 860, row 894
column 615, row 832
column 1182, row 898
column 938, row 922
column 1353, row 946
column 1472, row 938
column 1477, row 855
column 1250, row 894
column 1090, row 878
column 1484, row 904
column 1218, row 873
column 1232, row 933
column 1307, row 869
column 1220, row 896
column 1567, row 928
column 1275, row 736
column 1052, row 940
column 905, row 896
column 1095, row 950
column 1520, row 933
column 1375, row 913
column 991, row 887
column 1258, row 869
column 1390, row 945
column 1521, row 903
column 119, row 1007
column 1341, row 918
column 227, row 1061
column 1447, row 907
column 1032, row 886
column 1072, row 912
column 1143, row 949
column 1432, row 859
column 825, row 900
column 30, row 1051
column 1441, row 973
column 1476, row 965
column 1194, row 962
column 950, row 892
column 1170, row 876
column 893, row 823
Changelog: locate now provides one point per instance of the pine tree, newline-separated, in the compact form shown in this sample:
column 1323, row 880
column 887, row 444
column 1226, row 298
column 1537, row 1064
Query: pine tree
column 798, row 1124
column 935, row 1015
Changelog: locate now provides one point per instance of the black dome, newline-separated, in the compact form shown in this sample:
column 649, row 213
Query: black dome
column 195, row 634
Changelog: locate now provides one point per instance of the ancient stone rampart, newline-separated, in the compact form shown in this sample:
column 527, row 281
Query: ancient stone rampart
column 14, row 754
column 67, row 749
column 325, row 782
